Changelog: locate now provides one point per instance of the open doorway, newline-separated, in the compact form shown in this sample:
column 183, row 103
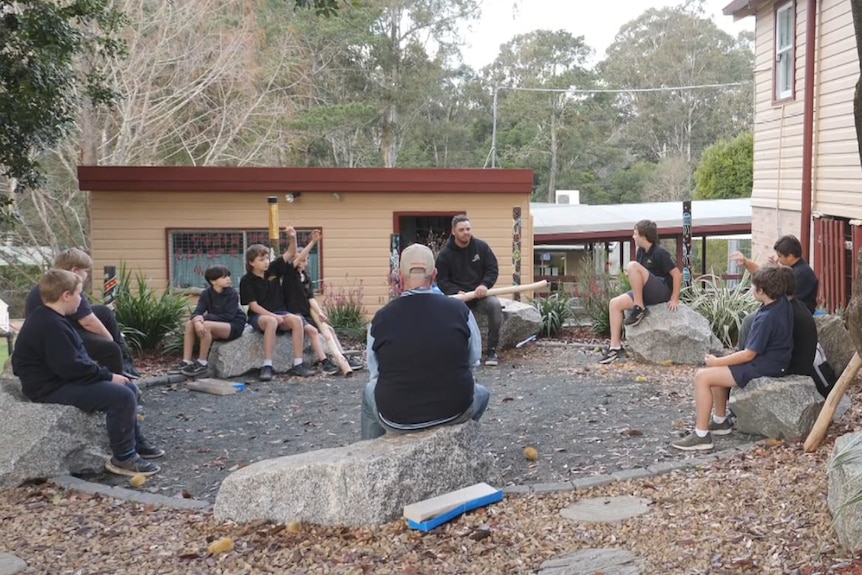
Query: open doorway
column 430, row 229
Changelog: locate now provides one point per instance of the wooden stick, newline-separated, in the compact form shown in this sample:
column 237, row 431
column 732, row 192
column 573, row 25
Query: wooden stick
column 818, row 432
column 502, row 290
column 328, row 333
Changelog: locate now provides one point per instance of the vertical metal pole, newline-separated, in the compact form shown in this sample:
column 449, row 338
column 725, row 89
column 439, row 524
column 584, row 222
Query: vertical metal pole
column 494, row 133
column 686, row 243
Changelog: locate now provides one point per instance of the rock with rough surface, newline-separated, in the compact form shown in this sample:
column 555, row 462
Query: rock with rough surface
column 777, row 407
column 832, row 334
column 244, row 354
column 681, row 336
column 593, row 561
column 844, row 476
column 520, row 321
column 41, row 440
column 362, row 484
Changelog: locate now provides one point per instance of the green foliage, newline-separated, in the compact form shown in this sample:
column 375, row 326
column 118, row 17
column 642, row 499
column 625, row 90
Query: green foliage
column 596, row 290
column 724, row 307
column 149, row 321
column 40, row 87
column 555, row 310
column 345, row 310
column 726, row 169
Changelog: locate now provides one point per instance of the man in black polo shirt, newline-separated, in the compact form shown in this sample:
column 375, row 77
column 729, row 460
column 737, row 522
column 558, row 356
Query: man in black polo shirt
column 788, row 252
column 421, row 348
column 654, row 278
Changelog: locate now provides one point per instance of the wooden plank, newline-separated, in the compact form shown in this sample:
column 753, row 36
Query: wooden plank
column 422, row 510
column 212, row 386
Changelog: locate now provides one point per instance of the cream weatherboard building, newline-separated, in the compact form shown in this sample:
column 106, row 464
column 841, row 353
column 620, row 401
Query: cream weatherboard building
column 171, row 223
column 807, row 175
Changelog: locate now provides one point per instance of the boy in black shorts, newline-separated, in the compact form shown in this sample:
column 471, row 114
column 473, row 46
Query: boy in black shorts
column 767, row 354
column 654, row 278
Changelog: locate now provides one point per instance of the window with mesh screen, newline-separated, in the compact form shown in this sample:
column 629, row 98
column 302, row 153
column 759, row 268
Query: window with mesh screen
column 191, row 252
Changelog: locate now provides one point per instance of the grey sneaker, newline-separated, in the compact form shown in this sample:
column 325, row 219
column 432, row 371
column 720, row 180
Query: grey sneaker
column 635, row 316
column 723, row 428
column 612, row 354
column 692, row 442
column 178, row 368
column 196, row 369
column 354, row 363
column 302, row 370
column 135, row 465
column 491, row 358
column 328, row 367
column 266, row 373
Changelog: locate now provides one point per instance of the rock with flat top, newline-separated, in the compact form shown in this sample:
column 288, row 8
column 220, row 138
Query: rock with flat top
column 682, row 336
column 362, row 484
column 520, row 321
column 41, row 440
column 245, row 354
column 777, row 407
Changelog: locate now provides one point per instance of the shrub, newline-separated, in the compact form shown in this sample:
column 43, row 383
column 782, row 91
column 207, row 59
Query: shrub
column 596, row 292
column 148, row 321
column 555, row 310
column 345, row 309
column 723, row 306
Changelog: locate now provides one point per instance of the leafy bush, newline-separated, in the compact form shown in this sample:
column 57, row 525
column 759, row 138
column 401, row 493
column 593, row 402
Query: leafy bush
column 345, row 309
column 596, row 292
column 723, row 306
column 148, row 321
column 555, row 310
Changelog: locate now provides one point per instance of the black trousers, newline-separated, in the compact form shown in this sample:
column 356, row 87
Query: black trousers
column 111, row 353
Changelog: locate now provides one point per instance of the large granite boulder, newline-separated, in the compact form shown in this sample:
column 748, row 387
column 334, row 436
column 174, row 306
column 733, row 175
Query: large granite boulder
column 777, row 407
column 520, row 321
column 681, row 336
column 244, row 354
column 845, row 482
column 43, row 440
column 365, row 483
column 833, row 335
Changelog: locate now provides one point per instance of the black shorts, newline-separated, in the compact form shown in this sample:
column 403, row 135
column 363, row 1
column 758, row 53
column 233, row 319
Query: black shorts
column 742, row 374
column 235, row 331
column 655, row 291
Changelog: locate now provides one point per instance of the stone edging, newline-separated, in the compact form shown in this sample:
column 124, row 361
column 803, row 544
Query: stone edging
column 626, row 474
column 124, row 494
column 76, row 484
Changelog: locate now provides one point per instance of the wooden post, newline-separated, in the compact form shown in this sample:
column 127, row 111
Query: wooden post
column 109, row 286
column 818, row 432
column 686, row 243
column 273, row 225
column 516, row 250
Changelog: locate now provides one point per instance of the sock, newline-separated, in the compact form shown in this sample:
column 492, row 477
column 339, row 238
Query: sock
column 700, row 432
column 297, row 361
column 203, row 362
column 125, row 456
column 267, row 362
column 187, row 362
column 718, row 419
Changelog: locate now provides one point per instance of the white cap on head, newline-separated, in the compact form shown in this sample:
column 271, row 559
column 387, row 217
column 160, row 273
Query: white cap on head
column 417, row 261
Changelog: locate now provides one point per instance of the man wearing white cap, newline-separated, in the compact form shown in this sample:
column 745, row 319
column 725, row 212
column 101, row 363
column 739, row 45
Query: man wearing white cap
column 421, row 348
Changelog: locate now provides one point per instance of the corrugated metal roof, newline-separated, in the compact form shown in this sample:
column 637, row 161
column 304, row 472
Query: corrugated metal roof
column 582, row 218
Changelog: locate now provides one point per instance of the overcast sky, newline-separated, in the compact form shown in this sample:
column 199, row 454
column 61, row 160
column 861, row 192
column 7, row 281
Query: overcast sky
column 598, row 23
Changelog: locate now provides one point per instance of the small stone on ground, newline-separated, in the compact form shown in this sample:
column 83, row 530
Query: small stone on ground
column 592, row 561
column 10, row 564
column 606, row 509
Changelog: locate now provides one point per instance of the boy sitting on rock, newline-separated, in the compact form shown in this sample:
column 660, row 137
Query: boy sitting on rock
column 767, row 354
column 53, row 366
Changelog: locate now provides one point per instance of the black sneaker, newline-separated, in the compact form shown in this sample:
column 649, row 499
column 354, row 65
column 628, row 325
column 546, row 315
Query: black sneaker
column 266, row 373
column 612, row 354
column 635, row 316
column 328, row 367
column 491, row 358
column 135, row 465
column 301, row 370
column 195, row 369
column 354, row 363
column 148, row 451
column 178, row 368
column 130, row 371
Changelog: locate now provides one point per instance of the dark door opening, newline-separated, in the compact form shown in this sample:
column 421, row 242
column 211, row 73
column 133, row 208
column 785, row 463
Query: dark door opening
column 432, row 230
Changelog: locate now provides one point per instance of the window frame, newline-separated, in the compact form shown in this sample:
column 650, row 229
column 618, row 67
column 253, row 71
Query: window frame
column 169, row 251
column 778, row 52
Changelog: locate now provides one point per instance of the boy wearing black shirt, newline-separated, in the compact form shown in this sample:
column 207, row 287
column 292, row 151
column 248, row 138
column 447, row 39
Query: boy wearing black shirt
column 260, row 289
column 53, row 366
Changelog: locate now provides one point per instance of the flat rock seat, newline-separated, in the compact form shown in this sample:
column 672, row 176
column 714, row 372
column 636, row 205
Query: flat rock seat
column 520, row 321
column 363, row 484
column 682, row 336
column 776, row 407
column 845, row 482
column 43, row 440
column 244, row 354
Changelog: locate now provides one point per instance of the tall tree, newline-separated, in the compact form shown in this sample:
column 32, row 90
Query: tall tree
column 726, row 169
column 679, row 47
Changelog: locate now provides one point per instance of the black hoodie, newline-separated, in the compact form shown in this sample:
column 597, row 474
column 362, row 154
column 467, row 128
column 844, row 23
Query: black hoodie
column 465, row 269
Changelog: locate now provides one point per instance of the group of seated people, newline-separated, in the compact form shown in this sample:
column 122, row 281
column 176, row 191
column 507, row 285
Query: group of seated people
column 280, row 298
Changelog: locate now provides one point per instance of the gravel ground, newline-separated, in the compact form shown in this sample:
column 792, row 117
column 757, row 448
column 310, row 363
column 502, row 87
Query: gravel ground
column 584, row 419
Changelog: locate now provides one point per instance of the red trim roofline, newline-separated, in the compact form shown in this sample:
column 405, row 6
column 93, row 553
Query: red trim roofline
column 306, row 180
column 742, row 8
